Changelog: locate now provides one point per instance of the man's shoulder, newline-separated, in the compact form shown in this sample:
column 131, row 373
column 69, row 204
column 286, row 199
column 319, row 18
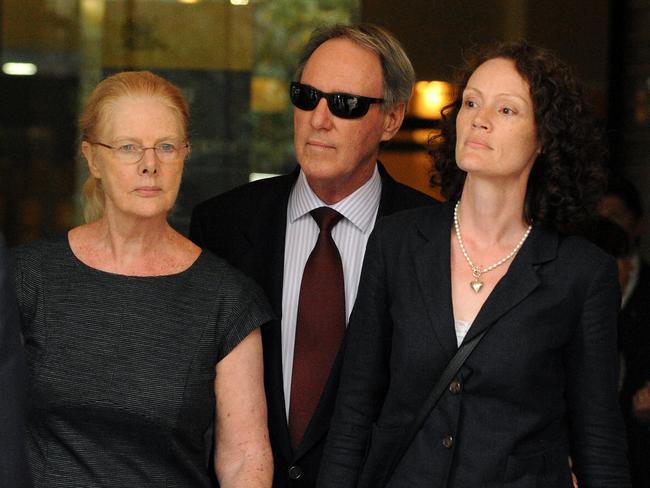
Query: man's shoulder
column 254, row 190
column 397, row 197
column 249, row 195
column 414, row 197
column 431, row 214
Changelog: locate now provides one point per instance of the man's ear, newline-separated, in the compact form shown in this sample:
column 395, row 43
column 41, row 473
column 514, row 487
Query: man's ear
column 88, row 153
column 393, row 119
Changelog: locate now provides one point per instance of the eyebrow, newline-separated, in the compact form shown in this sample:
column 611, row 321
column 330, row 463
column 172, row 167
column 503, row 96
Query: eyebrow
column 509, row 95
column 137, row 139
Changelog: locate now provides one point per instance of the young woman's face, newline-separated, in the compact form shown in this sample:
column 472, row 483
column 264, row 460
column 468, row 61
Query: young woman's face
column 495, row 127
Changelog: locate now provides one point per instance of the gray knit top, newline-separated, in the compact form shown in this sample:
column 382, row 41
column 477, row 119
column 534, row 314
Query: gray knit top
column 122, row 368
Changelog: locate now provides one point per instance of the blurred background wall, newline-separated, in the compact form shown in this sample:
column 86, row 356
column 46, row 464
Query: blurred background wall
column 233, row 59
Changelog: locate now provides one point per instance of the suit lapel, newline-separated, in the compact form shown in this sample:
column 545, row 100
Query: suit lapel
column 433, row 272
column 265, row 255
column 266, row 236
column 432, row 265
column 389, row 201
column 520, row 281
column 388, row 204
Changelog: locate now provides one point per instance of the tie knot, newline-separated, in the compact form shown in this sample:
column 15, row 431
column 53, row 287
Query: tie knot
column 326, row 218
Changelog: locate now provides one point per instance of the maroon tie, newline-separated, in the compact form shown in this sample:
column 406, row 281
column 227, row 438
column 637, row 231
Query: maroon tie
column 320, row 324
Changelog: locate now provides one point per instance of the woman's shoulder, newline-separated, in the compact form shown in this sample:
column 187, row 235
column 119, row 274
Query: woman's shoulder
column 215, row 273
column 583, row 265
column 414, row 225
column 216, row 278
column 581, row 251
column 427, row 216
column 209, row 264
column 37, row 263
column 32, row 253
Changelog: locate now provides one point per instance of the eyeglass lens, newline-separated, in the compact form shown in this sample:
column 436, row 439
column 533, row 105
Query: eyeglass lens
column 133, row 153
column 341, row 105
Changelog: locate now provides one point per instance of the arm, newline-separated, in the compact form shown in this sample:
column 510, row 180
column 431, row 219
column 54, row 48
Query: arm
column 364, row 376
column 243, row 456
column 597, row 433
column 12, row 382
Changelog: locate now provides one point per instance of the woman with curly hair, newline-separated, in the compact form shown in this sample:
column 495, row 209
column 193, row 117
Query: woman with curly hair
column 520, row 162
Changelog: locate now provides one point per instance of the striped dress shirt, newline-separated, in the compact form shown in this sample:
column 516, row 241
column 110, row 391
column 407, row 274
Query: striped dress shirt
column 351, row 234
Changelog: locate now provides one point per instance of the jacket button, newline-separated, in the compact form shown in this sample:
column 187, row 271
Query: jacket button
column 454, row 387
column 295, row 472
column 448, row 441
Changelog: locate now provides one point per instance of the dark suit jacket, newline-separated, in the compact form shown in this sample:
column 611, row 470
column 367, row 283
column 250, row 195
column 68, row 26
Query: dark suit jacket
column 246, row 226
column 540, row 386
column 13, row 463
column 634, row 341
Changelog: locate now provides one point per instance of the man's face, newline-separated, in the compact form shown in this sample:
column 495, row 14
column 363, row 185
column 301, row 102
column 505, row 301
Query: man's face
column 338, row 155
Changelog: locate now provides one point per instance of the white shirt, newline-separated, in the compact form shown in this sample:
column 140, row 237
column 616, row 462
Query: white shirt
column 632, row 281
column 461, row 326
column 350, row 234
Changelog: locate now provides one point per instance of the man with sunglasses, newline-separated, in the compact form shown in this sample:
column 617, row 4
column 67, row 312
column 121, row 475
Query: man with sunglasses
column 351, row 90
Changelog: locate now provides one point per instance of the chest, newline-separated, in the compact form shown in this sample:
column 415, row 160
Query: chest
column 133, row 348
column 531, row 315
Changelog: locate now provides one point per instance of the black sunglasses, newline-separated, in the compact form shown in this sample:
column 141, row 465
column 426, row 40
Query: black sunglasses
column 341, row 105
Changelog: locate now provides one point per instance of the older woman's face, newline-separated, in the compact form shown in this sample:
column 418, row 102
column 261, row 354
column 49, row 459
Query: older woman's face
column 148, row 187
column 496, row 133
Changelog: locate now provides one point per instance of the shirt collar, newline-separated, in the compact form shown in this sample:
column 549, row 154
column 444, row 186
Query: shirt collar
column 359, row 207
column 632, row 280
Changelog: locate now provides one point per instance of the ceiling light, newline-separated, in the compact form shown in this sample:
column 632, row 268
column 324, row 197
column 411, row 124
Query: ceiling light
column 19, row 69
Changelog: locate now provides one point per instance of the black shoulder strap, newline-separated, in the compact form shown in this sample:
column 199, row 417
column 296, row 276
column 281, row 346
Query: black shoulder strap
column 445, row 378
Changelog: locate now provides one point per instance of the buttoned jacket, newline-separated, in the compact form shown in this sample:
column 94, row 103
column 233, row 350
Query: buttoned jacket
column 538, row 388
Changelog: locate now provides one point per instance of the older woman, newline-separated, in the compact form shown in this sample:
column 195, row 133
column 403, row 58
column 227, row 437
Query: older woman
column 519, row 163
column 137, row 339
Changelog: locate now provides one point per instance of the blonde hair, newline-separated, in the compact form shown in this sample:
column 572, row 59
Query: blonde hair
column 127, row 83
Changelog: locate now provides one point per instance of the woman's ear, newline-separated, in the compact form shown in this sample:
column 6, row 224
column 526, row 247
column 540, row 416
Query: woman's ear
column 88, row 153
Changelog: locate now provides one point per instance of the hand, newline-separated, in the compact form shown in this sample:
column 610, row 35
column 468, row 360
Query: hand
column 641, row 404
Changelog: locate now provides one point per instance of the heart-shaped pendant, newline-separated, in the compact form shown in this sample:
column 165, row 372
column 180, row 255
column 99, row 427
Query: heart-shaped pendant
column 476, row 285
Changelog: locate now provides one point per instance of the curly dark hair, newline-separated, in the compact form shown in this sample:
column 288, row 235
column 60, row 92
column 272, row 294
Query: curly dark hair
column 568, row 177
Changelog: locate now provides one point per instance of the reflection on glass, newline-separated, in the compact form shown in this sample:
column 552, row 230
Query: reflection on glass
column 233, row 59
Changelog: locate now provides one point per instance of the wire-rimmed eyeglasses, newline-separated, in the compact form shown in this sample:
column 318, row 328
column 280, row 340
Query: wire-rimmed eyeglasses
column 166, row 152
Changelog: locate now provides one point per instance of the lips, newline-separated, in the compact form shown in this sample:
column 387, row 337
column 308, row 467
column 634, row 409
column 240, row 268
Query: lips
column 319, row 144
column 477, row 144
column 148, row 191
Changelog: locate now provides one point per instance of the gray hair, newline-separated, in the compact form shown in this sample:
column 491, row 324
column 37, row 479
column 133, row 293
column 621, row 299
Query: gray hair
column 397, row 71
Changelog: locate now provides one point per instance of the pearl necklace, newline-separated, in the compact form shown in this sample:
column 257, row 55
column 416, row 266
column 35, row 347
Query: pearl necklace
column 477, row 271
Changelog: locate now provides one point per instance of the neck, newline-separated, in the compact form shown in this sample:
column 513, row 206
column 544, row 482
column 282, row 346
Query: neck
column 334, row 190
column 491, row 213
column 129, row 239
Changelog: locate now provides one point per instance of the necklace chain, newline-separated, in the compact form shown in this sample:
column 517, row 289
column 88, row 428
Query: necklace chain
column 477, row 271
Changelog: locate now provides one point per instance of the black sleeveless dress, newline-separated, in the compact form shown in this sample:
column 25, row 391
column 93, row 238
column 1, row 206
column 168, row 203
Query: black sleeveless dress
column 122, row 368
